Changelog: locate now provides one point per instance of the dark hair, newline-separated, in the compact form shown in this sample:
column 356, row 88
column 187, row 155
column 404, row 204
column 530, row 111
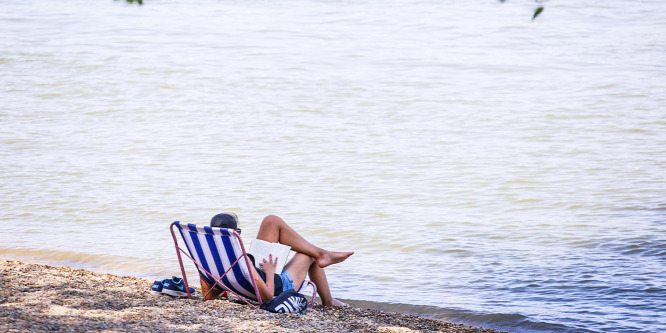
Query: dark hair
column 225, row 220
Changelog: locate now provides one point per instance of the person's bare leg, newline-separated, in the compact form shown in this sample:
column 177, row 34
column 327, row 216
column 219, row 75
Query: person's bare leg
column 301, row 265
column 298, row 268
column 275, row 230
column 318, row 276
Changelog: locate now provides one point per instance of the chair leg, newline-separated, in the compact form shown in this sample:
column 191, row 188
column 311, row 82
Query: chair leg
column 180, row 261
column 314, row 294
column 187, row 286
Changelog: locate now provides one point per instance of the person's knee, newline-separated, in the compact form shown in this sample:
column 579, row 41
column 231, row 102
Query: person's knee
column 306, row 258
column 271, row 220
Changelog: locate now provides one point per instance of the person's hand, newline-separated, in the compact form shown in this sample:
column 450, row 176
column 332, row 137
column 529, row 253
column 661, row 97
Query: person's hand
column 269, row 266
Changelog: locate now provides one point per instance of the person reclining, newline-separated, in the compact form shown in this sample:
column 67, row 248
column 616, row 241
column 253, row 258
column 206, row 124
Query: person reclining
column 308, row 260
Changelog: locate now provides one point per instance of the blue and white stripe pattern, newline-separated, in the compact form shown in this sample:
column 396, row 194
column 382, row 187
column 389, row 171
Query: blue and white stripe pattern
column 216, row 249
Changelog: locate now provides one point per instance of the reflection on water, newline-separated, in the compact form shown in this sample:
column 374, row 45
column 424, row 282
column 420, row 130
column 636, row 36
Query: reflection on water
column 485, row 168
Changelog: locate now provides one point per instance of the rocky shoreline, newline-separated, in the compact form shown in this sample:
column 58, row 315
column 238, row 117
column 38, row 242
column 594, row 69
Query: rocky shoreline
column 40, row 298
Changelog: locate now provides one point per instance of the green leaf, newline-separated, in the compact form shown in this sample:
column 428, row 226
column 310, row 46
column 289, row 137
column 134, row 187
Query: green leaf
column 537, row 12
column 140, row 2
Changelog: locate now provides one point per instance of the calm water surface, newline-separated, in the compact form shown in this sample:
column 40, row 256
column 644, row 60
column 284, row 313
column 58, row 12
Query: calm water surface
column 486, row 169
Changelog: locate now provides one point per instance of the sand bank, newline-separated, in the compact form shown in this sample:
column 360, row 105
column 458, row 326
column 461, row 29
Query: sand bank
column 45, row 298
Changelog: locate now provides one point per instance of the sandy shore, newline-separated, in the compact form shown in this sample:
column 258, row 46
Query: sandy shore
column 45, row 298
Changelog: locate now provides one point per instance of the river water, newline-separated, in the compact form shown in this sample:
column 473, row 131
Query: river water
column 487, row 169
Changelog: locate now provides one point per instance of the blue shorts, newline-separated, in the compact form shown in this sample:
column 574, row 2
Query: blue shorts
column 287, row 281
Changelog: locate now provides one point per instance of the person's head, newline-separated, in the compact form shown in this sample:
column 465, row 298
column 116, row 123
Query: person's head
column 225, row 220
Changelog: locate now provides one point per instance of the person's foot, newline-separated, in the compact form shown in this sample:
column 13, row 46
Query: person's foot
column 337, row 303
column 330, row 258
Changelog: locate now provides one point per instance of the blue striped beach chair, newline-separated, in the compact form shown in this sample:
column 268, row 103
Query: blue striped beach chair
column 220, row 257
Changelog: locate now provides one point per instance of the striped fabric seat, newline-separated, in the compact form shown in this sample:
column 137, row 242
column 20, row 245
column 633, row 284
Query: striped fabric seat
column 220, row 257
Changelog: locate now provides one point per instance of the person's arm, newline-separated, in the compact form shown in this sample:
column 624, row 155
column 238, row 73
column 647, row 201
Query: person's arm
column 266, row 289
